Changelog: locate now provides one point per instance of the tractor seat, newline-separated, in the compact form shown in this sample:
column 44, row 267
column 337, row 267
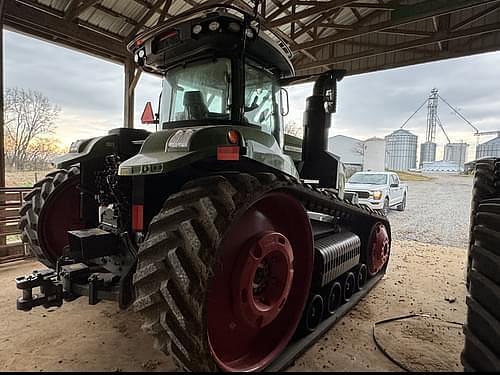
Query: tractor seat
column 194, row 106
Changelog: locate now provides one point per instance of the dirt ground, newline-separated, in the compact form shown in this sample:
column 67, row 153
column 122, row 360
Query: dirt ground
column 419, row 280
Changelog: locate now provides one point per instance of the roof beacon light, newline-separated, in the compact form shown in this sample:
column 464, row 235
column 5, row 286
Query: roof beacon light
column 197, row 29
column 214, row 26
column 141, row 54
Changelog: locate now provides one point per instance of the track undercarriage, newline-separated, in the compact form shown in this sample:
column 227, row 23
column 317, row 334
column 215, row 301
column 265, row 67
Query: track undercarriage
column 197, row 285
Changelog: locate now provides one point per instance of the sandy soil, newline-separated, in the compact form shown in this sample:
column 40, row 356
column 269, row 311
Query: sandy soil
column 90, row 338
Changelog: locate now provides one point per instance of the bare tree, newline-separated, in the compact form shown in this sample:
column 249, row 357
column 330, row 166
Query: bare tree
column 292, row 128
column 28, row 116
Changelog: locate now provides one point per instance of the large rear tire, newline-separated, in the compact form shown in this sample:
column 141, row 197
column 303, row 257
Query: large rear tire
column 201, row 281
column 49, row 211
column 482, row 329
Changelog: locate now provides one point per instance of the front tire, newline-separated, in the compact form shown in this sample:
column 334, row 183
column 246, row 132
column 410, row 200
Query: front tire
column 386, row 207
column 200, row 279
column 402, row 205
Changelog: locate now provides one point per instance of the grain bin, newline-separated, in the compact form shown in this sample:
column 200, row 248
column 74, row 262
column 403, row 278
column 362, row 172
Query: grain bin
column 427, row 152
column 457, row 153
column 401, row 150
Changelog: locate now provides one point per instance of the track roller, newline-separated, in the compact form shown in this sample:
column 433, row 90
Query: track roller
column 361, row 276
column 312, row 315
column 333, row 297
column 349, row 286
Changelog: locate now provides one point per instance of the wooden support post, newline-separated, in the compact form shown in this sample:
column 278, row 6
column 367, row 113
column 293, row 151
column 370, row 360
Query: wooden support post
column 2, row 150
column 129, row 91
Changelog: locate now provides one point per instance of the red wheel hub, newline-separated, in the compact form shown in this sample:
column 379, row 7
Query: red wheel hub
column 378, row 248
column 264, row 280
column 260, row 284
column 60, row 213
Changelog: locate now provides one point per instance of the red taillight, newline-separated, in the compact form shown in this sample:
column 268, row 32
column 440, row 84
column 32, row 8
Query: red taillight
column 228, row 153
column 137, row 217
column 168, row 34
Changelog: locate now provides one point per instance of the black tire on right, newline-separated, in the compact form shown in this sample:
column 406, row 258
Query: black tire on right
column 482, row 329
column 486, row 185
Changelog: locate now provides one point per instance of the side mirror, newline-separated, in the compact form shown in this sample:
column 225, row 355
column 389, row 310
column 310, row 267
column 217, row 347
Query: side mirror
column 148, row 116
column 394, row 185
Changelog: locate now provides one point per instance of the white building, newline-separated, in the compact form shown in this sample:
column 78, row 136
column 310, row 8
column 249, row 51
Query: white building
column 349, row 149
column 374, row 154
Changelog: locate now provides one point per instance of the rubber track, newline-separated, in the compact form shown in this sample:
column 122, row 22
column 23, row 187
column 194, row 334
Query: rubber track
column 33, row 205
column 482, row 329
column 176, row 260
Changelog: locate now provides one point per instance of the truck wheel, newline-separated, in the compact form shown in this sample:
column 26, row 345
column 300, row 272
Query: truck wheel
column 386, row 207
column 203, row 278
column 402, row 205
column 482, row 329
column 49, row 211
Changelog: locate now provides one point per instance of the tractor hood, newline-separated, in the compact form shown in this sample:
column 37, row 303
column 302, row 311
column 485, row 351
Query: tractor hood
column 171, row 149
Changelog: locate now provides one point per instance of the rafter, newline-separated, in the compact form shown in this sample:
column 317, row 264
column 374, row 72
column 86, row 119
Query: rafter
column 310, row 12
column 164, row 11
column 440, row 36
column 407, row 14
column 50, row 25
column 144, row 20
column 476, row 17
column 77, row 7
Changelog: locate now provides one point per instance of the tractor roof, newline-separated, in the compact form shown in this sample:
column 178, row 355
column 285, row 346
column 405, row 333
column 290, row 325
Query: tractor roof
column 209, row 32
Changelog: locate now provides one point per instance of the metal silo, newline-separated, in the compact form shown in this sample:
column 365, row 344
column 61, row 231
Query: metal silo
column 401, row 150
column 490, row 148
column 457, row 153
column 427, row 152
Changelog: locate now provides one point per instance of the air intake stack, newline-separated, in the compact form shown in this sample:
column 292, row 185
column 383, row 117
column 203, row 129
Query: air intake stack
column 317, row 163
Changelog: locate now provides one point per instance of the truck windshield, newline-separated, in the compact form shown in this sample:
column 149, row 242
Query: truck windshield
column 261, row 100
column 368, row 178
column 199, row 90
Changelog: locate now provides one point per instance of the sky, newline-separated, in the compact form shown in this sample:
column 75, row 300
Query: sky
column 89, row 92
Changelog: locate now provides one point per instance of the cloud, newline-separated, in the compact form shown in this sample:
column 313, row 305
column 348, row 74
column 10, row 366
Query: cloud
column 90, row 92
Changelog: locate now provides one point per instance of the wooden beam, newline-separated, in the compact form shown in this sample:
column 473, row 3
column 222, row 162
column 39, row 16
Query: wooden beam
column 379, row 6
column 2, row 124
column 439, row 36
column 164, row 11
column 142, row 22
column 405, row 15
column 310, row 12
column 53, row 28
column 77, row 7
column 405, row 32
column 129, row 93
column 476, row 17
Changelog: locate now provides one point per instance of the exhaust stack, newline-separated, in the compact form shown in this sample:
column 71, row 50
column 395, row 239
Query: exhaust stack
column 317, row 163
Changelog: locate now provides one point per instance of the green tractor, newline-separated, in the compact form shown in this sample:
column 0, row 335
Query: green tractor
column 236, row 255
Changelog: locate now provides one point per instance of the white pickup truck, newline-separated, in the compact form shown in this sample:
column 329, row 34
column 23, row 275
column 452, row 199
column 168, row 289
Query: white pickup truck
column 378, row 190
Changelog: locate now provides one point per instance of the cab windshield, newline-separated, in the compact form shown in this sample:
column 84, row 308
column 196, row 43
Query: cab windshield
column 197, row 91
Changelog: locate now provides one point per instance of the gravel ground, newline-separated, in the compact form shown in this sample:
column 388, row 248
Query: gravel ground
column 79, row 337
column 437, row 211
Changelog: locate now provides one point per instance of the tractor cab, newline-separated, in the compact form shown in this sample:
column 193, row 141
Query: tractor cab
column 217, row 69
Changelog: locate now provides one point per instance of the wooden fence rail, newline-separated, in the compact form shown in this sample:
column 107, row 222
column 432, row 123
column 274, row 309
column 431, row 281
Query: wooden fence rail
column 11, row 247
